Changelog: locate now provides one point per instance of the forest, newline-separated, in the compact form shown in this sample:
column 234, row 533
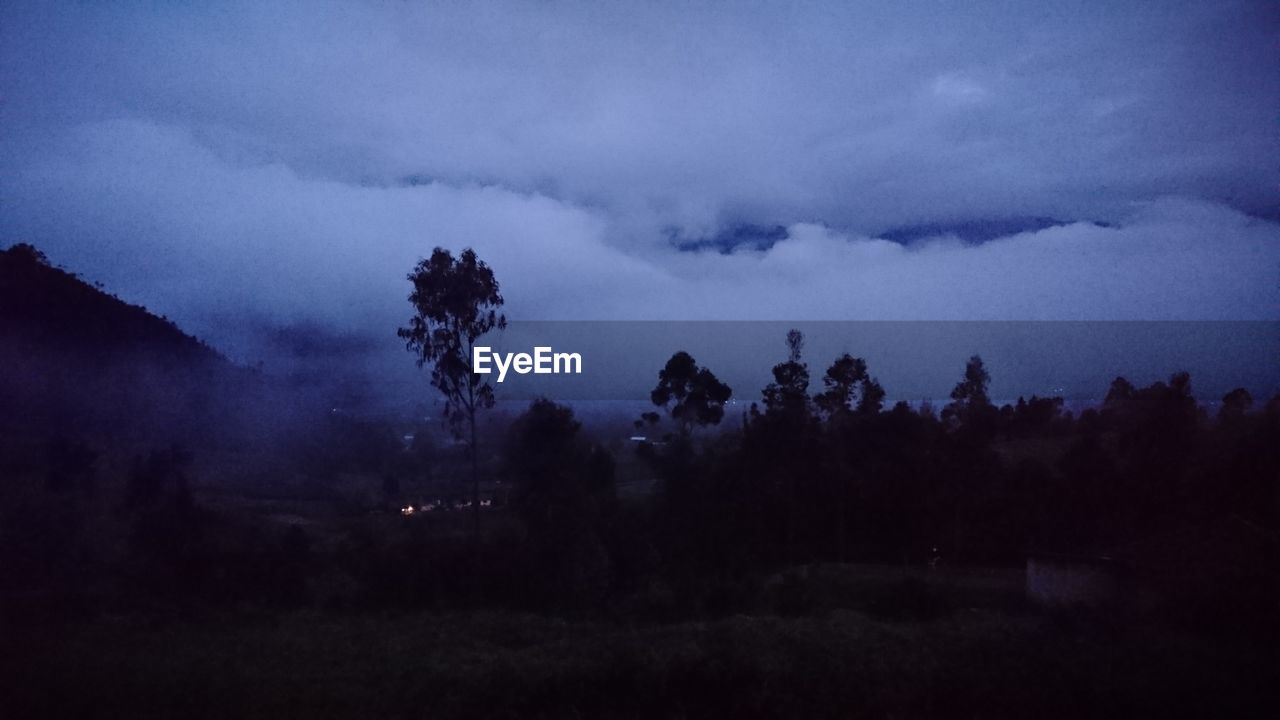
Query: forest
column 820, row 553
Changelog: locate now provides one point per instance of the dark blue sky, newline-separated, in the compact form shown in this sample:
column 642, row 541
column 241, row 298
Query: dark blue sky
column 257, row 164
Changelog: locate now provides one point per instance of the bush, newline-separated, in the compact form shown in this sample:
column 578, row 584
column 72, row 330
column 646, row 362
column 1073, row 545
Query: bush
column 908, row 599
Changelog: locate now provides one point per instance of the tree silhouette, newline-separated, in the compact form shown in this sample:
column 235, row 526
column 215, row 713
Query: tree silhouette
column 970, row 404
column 559, row 479
column 788, row 395
column 783, row 441
column 166, row 530
column 1234, row 405
column 1120, row 392
column 841, row 381
column 692, row 395
column 563, row 491
column 26, row 252
column 871, row 400
column 972, row 390
column 456, row 301
column 846, row 379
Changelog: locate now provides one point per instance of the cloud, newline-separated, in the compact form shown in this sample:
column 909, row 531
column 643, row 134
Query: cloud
column 247, row 165
column 853, row 114
column 225, row 248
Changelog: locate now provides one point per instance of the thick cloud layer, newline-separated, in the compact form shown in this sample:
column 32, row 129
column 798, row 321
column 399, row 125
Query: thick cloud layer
column 243, row 165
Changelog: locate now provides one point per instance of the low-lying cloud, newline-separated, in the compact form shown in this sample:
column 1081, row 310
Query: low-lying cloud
column 246, row 167
column 224, row 248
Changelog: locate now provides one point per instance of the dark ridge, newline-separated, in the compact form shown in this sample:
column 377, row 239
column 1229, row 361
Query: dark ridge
column 971, row 232
column 47, row 307
column 78, row 360
column 763, row 237
column 751, row 237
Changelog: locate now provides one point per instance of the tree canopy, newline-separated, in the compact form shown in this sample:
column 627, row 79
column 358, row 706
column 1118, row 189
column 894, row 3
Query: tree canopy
column 693, row 395
column 456, row 301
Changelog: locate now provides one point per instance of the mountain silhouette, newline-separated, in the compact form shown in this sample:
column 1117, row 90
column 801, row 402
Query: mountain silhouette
column 78, row 360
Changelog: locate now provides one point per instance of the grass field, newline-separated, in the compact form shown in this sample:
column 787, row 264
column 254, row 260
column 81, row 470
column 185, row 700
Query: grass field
column 974, row 652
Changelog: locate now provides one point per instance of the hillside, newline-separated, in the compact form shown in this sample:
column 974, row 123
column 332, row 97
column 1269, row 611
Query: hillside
column 79, row 360
column 45, row 306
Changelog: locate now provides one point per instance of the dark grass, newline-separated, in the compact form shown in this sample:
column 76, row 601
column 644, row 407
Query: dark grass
column 949, row 661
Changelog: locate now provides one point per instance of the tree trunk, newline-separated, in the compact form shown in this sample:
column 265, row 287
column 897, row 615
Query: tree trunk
column 842, row 497
column 841, row 529
column 475, row 481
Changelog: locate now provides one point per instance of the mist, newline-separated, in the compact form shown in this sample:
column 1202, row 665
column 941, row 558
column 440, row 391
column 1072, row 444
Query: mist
column 252, row 168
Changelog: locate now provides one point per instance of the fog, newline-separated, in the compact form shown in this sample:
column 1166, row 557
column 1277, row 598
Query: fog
column 243, row 169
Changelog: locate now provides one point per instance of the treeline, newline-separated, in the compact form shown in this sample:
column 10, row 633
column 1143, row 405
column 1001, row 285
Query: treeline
column 808, row 477
column 799, row 478
column 835, row 476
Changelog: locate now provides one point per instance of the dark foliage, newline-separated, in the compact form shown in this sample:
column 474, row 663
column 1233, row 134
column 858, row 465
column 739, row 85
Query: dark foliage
column 455, row 302
column 694, row 396
column 80, row 362
column 816, row 559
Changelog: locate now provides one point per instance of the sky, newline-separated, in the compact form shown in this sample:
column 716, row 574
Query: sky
column 245, row 167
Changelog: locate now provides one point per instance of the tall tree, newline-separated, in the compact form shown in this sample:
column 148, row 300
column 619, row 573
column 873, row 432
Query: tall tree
column 970, row 405
column 871, row 401
column 564, row 492
column 785, row 439
column 845, row 380
column 787, row 397
column 456, row 301
column 841, row 381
